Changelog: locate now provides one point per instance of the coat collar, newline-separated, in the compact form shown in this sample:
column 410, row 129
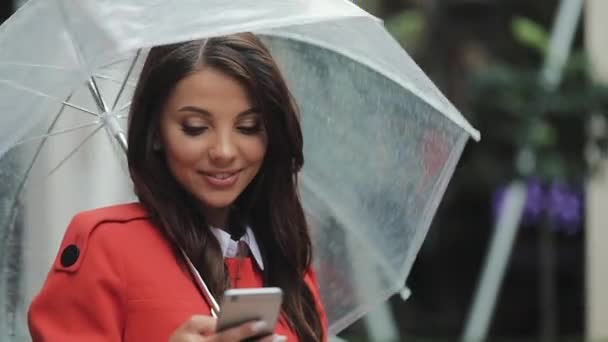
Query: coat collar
column 230, row 247
column 133, row 211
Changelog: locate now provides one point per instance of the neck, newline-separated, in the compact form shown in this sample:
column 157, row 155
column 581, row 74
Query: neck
column 217, row 217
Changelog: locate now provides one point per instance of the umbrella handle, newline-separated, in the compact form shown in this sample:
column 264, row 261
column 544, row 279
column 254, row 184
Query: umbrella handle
column 202, row 286
column 405, row 293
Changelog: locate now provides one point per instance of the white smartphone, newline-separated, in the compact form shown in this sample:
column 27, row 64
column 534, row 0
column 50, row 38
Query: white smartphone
column 244, row 305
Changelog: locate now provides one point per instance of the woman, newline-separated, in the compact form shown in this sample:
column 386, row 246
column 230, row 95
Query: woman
column 214, row 149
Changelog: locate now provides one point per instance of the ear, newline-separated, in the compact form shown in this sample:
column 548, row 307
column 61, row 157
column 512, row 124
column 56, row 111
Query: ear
column 156, row 141
column 156, row 146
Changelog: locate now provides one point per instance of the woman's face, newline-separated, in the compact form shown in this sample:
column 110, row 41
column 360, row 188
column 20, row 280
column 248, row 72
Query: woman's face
column 213, row 139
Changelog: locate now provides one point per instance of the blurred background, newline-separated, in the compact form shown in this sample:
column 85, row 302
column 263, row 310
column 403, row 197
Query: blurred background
column 528, row 75
column 536, row 95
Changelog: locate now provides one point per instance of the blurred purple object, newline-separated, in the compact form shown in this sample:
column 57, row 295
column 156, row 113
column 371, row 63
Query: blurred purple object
column 561, row 202
column 535, row 202
column 498, row 202
column 565, row 207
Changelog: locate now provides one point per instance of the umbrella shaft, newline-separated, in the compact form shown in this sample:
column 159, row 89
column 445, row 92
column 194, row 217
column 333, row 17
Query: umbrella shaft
column 109, row 120
column 122, row 140
column 97, row 96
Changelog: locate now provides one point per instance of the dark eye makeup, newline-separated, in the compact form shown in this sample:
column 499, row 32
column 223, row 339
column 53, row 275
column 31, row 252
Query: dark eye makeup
column 250, row 129
column 250, row 125
column 192, row 130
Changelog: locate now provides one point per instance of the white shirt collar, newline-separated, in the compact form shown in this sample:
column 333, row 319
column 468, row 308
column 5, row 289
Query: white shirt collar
column 230, row 247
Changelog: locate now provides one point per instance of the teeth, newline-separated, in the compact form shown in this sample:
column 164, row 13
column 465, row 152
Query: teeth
column 221, row 175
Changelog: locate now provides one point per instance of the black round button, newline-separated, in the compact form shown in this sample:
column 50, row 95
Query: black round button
column 70, row 255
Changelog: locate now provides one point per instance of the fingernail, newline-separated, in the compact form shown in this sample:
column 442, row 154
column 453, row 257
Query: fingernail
column 279, row 339
column 259, row 326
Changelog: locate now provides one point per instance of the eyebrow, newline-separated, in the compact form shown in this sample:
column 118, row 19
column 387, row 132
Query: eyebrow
column 207, row 113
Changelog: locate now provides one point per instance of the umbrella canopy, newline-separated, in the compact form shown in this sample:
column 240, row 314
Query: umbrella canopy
column 381, row 141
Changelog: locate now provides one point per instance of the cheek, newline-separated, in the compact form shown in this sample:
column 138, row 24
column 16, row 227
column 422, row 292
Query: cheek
column 256, row 151
column 181, row 151
column 183, row 161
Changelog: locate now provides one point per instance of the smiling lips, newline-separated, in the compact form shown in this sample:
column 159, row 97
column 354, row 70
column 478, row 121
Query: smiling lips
column 221, row 179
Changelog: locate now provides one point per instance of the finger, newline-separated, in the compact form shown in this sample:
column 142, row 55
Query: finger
column 274, row 338
column 200, row 324
column 241, row 332
column 187, row 338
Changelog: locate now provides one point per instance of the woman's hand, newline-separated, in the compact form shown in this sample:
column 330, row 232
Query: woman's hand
column 202, row 329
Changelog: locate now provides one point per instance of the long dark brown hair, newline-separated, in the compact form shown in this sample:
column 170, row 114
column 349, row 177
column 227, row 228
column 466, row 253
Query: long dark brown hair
column 269, row 205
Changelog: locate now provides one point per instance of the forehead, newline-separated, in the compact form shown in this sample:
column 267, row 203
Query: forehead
column 212, row 90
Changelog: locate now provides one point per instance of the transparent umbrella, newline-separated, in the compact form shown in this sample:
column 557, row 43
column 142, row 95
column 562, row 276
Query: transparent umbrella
column 381, row 142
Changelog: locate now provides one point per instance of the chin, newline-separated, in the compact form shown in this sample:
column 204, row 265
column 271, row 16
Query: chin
column 217, row 203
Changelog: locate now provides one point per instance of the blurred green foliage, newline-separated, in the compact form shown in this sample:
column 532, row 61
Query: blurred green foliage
column 530, row 34
column 562, row 128
column 514, row 111
column 407, row 26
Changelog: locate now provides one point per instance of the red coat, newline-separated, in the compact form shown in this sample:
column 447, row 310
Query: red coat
column 117, row 279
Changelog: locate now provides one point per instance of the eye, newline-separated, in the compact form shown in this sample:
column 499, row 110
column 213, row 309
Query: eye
column 193, row 130
column 250, row 129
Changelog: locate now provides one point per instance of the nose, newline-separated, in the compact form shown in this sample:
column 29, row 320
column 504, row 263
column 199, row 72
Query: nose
column 222, row 150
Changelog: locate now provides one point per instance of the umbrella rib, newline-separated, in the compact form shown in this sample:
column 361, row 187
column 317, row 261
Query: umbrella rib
column 63, row 131
column 76, row 149
column 124, row 83
column 43, row 66
column 28, row 89
column 114, row 63
column 80, row 108
column 125, row 106
column 36, row 92
column 25, row 178
column 108, row 78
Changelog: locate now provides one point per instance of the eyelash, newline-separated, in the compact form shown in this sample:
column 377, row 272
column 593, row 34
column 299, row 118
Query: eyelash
column 193, row 130
column 250, row 130
column 198, row 130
